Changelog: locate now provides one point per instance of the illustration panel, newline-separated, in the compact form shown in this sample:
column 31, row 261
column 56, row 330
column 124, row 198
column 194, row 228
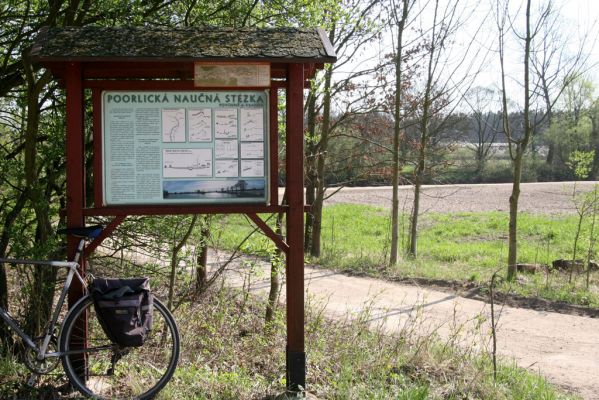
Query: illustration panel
column 173, row 125
column 252, row 150
column 225, row 149
column 186, row 163
column 252, row 168
column 225, row 125
column 226, row 168
column 216, row 189
column 200, row 125
column 252, row 124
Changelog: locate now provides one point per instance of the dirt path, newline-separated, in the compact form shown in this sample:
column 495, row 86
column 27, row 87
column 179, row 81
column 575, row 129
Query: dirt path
column 563, row 348
column 550, row 197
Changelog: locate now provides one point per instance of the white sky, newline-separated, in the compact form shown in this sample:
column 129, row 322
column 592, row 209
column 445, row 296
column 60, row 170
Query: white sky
column 579, row 18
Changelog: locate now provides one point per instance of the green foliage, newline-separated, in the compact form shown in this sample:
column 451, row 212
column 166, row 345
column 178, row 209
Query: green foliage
column 226, row 355
column 581, row 163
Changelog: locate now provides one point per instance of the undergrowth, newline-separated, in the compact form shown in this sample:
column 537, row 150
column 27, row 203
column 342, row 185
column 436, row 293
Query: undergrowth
column 228, row 353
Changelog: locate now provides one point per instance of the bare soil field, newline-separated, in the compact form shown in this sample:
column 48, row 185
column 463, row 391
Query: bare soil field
column 546, row 197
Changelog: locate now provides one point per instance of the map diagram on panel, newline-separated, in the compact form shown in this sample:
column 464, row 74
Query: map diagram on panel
column 186, row 163
column 226, row 168
column 225, row 126
column 252, row 124
column 252, row 150
column 173, row 125
column 252, row 168
column 200, row 125
column 225, row 149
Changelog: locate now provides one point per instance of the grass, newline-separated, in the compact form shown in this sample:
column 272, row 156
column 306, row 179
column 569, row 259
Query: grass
column 228, row 354
column 460, row 246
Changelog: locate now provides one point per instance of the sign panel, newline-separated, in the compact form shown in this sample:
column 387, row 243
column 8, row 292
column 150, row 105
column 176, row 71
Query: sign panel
column 216, row 74
column 185, row 147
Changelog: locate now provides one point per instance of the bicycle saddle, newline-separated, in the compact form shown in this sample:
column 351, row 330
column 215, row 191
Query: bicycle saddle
column 90, row 232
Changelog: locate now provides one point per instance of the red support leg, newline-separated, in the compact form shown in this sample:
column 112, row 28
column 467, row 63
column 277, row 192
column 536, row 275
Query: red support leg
column 75, row 166
column 75, row 189
column 296, row 356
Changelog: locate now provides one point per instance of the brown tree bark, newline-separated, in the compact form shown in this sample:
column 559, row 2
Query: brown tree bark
column 517, row 146
column 202, row 259
column 321, row 158
column 311, row 157
column 401, row 23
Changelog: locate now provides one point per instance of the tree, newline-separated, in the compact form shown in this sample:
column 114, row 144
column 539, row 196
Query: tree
column 554, row 66
column 517, row 142
column 571, row 127
column 535, row 39
column 444, row 81
column 485, row 123
column 399, row 24
column 350, row 28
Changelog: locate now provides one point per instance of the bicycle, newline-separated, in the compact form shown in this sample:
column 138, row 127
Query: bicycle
column 94, row 365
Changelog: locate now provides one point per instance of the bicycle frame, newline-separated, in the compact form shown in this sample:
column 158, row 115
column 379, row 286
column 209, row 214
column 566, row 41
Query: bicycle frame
column 73, row 272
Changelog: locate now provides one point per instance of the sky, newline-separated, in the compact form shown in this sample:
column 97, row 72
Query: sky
column 577, row 19
column 193, row 185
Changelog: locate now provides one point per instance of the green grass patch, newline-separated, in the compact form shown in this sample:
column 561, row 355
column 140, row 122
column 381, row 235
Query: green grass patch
column 460, row 246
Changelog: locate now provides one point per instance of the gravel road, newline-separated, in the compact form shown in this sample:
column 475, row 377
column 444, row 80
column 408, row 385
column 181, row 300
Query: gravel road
column 563, row 348
column 549, row 197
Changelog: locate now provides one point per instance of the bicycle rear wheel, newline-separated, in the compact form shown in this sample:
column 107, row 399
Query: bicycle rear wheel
column 101, row 369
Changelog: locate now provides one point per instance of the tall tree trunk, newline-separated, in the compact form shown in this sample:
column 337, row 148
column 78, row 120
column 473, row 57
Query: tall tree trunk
column 275, row 281
column 595, row 138
column 424, row 139
column 520, row 147
column 6, row 339
column 202, row 260
column 311, row 157
column 39, row 306
column 320, row 163
column 397, row 136
column 513, row 224
column 175, row 259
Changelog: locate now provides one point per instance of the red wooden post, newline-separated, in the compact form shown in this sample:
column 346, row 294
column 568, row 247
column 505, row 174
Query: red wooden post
column 75, row 185
column 296, row 356
column 75, row 165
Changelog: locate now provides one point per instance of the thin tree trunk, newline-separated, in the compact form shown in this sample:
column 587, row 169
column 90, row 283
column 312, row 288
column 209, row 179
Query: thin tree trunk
column 312, row 154
column 39, row 306
column 275, row 281
column 397, row 137
column 513, row 224
column 413, row 250
column 520, row 147
column 202, row 260
column 175, row 260
column 320, row 163
column 591, row 238
column 595, row 139
column 424, row 138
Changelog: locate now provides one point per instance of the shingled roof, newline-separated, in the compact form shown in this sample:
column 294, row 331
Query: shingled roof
column 93, row 43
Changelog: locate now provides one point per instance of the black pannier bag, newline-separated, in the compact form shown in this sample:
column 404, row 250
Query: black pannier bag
column 124, row 309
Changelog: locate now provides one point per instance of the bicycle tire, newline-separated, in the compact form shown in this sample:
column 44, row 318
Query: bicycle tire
column 139, row 372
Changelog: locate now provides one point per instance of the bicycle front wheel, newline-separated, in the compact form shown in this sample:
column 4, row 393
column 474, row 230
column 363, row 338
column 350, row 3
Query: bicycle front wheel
column 101, row 369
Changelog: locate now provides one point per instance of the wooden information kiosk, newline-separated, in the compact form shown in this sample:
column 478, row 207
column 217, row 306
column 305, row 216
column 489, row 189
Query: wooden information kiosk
column 185, row 122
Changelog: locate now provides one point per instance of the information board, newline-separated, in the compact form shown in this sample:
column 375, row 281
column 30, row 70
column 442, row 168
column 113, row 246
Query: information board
column 184, row 147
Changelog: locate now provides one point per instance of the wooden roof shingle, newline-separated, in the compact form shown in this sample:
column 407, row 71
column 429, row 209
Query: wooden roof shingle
column 93, row 43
